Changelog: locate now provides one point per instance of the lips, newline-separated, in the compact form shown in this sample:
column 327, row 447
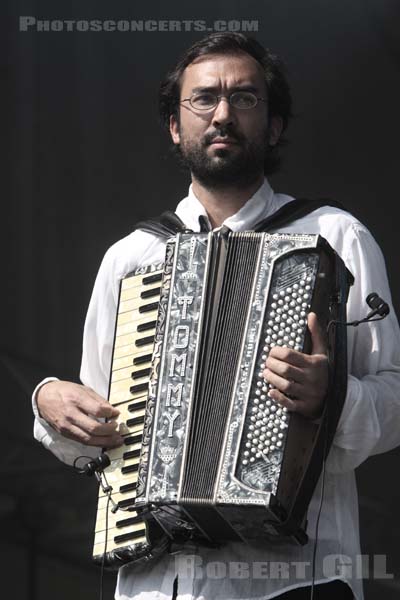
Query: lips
column 223, row 140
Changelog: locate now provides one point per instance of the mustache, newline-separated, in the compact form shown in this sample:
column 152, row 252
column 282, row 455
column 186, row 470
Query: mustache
column 222, row 132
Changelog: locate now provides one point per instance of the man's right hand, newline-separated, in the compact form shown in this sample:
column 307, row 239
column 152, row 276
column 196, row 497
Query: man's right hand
column 72, row 410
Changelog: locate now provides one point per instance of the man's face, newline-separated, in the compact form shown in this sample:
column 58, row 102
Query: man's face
column 226, row 145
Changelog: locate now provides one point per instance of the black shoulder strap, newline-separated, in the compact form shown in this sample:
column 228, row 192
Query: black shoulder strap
column 168, row 224
column 291, row 211
column 165, row 225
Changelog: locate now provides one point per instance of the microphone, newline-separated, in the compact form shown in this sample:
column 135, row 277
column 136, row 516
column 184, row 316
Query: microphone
column 97, row 465
column 379, row 306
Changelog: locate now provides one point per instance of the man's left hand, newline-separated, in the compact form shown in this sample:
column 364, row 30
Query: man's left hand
column 301, row 380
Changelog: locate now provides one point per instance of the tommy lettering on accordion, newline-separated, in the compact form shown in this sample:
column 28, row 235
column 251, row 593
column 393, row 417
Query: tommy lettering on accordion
column 208, row 455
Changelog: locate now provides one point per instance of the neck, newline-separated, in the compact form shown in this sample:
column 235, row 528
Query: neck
column 224, row 202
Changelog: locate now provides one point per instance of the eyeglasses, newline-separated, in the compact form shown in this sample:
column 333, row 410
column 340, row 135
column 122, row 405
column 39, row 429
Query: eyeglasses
column 208, row 100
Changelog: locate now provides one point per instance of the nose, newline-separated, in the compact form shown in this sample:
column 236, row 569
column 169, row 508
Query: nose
column 223, row 112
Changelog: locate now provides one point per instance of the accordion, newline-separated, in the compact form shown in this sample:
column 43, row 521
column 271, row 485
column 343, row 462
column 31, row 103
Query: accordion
column 209, row 456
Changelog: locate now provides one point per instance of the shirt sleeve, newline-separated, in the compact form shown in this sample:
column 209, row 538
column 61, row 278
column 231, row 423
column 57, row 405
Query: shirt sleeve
column 371, row 412
column 96, row 361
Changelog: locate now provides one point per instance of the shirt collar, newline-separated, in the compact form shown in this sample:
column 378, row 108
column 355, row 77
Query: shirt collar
column 258, row 207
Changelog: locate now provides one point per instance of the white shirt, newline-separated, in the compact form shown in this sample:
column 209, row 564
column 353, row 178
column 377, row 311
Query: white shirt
column 368, row 423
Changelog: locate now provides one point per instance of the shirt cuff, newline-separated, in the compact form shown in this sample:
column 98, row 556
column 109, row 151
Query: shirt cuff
column 34, row 399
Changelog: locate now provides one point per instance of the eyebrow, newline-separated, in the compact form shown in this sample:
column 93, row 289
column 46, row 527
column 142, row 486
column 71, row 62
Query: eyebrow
column 236, row 88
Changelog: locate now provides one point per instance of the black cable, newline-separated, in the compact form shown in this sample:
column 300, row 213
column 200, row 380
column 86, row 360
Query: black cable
column 77, row 469
column 104, row 552
column 319, row 509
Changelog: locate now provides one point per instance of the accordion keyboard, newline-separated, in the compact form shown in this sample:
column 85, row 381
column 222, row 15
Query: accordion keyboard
column 132, row 353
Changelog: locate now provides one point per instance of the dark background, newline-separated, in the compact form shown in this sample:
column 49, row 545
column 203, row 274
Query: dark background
column 84, row 158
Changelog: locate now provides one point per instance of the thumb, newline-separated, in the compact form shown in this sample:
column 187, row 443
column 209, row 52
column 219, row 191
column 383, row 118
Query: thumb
column 318, row 336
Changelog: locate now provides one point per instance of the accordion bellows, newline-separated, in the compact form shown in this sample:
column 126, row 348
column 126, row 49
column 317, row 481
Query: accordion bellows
column 219, row 459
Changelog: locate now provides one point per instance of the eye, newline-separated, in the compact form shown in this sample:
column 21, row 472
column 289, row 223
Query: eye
column 203, row 100
column 243, row 100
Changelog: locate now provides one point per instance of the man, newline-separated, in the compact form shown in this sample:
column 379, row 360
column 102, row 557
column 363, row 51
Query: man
column 227, row 105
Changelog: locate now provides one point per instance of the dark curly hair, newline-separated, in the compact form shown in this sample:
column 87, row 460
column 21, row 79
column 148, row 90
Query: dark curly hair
column 279, row 97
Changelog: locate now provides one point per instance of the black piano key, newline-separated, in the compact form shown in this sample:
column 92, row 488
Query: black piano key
column 151, row 279
column 144, row 341
column 130, row 469
column 141, row 373
column 137, row 406
column 129, row 487
column 148, row 307
column 131, row 454
column 128, row 521
column 139, row 360
column 129, row 536
column 150, row 293
column 140, row 387
column 126, row 503
column 146, row 326
column 135, row 421
column 133, row 439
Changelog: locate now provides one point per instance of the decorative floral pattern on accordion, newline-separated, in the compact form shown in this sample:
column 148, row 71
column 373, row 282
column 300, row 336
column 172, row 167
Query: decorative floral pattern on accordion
column 180, row 313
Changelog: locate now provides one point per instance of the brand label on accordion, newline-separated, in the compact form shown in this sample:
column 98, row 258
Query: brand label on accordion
column 178, row 358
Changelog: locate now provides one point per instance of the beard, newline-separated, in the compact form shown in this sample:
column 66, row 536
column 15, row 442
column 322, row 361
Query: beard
column 239, row 166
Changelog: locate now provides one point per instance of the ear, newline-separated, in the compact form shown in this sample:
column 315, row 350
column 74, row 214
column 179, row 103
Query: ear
column 275, row 129
column 174, row 129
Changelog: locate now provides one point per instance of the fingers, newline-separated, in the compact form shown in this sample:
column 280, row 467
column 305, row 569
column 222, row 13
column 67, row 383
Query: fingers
column 300, row 381
column 318, row 336
column 75, row 433
column 73, row 410
column 286, row 386
column 283, row 369
column 289, row 403
column 91, row 403
column 289, row 356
